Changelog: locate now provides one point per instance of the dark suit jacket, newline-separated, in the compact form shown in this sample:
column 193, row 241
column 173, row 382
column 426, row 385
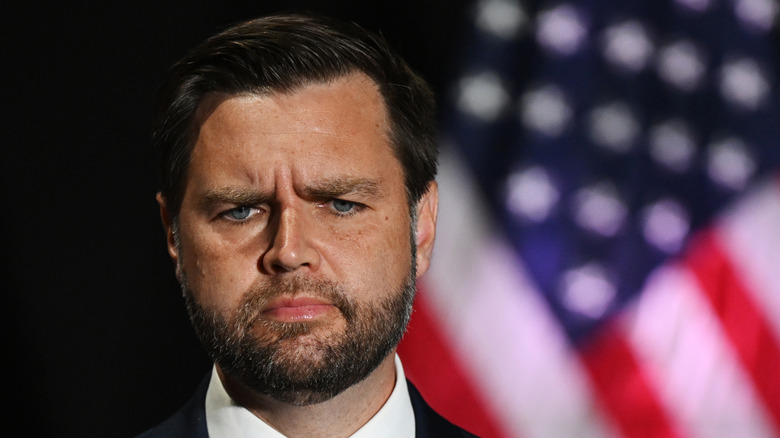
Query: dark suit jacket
column 190, row 420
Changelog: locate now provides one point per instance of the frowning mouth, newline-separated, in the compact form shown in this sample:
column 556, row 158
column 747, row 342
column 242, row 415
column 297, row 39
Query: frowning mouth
column 288, row 309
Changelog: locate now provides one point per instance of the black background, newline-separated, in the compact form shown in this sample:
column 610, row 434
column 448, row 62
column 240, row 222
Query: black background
column 97, row 342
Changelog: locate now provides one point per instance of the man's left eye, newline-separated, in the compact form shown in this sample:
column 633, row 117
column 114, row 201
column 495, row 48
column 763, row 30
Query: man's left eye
column 343, row 206
column 239, row 214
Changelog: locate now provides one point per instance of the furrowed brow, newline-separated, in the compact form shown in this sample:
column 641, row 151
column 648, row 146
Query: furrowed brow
column 233, row 195
column 363, row 187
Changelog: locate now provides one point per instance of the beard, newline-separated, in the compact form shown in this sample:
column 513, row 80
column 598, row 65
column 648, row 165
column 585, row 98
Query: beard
column 303, row 362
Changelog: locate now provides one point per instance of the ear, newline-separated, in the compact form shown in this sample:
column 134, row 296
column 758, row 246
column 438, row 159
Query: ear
column 427, row 210
column 167, row 222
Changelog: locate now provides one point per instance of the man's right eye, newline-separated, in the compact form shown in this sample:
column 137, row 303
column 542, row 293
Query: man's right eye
column 240, row 214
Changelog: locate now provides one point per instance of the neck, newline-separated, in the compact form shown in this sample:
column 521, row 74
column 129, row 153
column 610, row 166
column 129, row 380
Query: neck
column 342, row 415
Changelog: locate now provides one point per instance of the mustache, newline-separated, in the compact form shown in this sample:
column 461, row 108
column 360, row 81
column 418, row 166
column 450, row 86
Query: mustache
column 255, row 300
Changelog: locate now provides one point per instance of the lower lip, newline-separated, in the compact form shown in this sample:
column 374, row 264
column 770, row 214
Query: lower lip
column 299, row 313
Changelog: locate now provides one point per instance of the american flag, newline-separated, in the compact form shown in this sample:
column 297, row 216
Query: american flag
column 607, row 261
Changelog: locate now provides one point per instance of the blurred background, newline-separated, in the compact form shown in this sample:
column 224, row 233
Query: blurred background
column 608, row 253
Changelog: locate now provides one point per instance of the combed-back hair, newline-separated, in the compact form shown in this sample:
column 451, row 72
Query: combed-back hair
column 282, row 54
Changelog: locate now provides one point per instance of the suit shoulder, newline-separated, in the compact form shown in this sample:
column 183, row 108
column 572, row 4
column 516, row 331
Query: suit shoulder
column 428, row 423
column 189, row 421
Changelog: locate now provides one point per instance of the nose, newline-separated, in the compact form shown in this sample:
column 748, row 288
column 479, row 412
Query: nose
column 291, row 247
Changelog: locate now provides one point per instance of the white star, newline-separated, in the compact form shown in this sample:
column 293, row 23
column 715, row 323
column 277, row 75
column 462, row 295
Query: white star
column 531, row 194
column 757, row 15
column 695, row 5
column 730, row 164
column 672, row 145
column 682, row 65
column 598, row 208
column 588, row 290
column 627, row 45
column 613, row 126
column 665, row 225
column 502, row 18
column 743, row 83
column 483, row 96
column 545, row 109
column 562, row 29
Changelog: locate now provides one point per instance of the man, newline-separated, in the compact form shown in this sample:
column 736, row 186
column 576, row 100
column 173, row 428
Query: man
column 299, row 203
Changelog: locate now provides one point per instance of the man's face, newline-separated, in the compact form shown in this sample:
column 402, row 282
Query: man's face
column 294, row 240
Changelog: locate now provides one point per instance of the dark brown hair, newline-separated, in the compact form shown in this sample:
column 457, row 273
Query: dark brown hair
column 282, row 53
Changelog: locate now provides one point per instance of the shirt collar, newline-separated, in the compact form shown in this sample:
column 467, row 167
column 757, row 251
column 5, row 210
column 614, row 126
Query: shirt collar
column 225, row 418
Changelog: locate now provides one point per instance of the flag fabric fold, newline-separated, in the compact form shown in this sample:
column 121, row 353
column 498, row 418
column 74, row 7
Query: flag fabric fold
column 609, row 228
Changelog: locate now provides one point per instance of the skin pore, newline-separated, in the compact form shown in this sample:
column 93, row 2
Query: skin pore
column 294, row 228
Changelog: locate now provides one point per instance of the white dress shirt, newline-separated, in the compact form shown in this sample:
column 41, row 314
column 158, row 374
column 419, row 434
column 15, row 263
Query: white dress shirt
column 226, row 419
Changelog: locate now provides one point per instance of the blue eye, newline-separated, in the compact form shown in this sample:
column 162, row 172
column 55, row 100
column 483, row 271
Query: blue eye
column 343, row 206
column 239, row 213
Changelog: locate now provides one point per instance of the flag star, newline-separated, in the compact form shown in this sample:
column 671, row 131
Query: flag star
column 672, row 145
column 483, row 96
column 695, row 5
column 599, row 209
column 531, row 194
column 587, row 290
column 562, row 30
column 682, row 65
column 546, row 110
column 730, row 164
column 627, row 45
column 665, row 225
column 613, row 126
column 502, row 18
column 757, row 14
column 743, row 83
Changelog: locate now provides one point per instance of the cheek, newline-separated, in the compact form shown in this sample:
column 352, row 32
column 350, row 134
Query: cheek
column 218, row 274
column 376, row 258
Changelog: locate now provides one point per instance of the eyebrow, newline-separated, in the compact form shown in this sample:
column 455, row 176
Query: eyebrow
column 337, row 187
column 328, row 189
column 233, row 195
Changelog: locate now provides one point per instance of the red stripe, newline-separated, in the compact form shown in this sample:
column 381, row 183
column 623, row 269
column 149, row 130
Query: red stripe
column 744, row 323
column 623, row 389
column 432, row 365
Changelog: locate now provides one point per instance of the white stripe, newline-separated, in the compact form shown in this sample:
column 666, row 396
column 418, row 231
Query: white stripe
column 499, row 326
column 751, row 235
column 683, row 348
